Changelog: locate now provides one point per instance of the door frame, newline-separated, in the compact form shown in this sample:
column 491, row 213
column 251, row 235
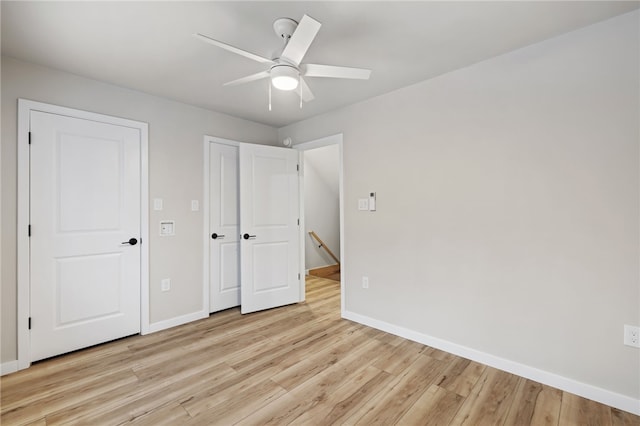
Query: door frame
column 25, row 107
column 206, row 267
column 336, row 139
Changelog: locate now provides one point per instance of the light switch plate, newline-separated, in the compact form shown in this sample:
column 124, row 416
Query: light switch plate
column 165, row 284
column 363, row 204
column 195, row 205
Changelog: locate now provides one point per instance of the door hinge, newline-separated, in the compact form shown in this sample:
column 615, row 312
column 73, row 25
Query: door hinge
column 29, row 323
column 298, row 276
column 297, row 165
column 298, row 221
column 29, row 138
column 29, row 230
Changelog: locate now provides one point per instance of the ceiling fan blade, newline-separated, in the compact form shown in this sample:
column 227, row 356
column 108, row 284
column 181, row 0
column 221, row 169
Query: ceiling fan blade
column 304, row 91
column 233, row 49
column 315, row 70
column 301, row 39
column 252, row 77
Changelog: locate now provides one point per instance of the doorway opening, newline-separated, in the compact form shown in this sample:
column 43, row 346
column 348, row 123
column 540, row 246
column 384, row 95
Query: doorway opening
column 322, row 236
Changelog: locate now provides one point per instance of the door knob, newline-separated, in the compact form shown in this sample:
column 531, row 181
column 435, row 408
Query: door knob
column 247, row 236
column 131, row 242
column 216, row 236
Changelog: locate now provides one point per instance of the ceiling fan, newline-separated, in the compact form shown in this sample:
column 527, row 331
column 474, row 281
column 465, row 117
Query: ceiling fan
column 285, row 68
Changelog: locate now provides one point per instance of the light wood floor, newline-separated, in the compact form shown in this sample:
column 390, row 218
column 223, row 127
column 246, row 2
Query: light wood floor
column 299, row 364
column 331, row 272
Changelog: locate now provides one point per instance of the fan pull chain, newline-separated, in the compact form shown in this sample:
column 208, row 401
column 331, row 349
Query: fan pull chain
column 300, row 87
column 269, row 95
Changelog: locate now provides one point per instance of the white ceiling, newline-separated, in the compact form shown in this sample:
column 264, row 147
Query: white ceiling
column 148, row 46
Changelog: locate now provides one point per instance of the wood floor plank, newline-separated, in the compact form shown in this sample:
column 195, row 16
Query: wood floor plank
column 316, row 389
column 461, row 376
column 166, row 415
column 438, row 354
column 300, row 364
column 288, row 355
column 391, row 403
column 437, row 406
column 400, row 358
column 347, row 399
column 59, row 375
column 490, row 399
column 127, row 403
column 39, row 422
column 239, row 405
column 536, row 404
column 226, row 390
column 584, row 412
column 621, row 418
column 185, row 360
column 315, row 363
column 53, row 400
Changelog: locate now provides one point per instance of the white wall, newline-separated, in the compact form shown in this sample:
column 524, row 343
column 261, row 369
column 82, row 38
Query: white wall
column 176, row 133
column 322, row 204
column 508, row 205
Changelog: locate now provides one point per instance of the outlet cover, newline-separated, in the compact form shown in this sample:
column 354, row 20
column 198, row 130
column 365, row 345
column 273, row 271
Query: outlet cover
column 165, row 284
column 365, row 282
column 632, row 336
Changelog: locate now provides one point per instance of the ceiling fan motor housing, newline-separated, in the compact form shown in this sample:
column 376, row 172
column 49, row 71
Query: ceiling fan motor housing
column 284, row 28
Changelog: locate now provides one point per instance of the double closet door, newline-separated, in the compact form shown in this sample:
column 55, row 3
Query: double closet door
column 254, row 253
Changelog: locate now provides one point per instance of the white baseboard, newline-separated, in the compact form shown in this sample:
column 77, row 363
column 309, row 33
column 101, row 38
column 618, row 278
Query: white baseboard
column 8, row 367
column 594, row 393
column 173, row 322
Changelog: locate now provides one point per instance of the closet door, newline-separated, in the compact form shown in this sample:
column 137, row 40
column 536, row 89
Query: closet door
column 253, row 227
column 224, row 234
column 269, row 212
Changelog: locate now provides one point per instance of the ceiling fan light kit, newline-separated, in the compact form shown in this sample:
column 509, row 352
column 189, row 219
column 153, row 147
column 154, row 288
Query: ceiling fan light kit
column 286, row 71
column 284, row 77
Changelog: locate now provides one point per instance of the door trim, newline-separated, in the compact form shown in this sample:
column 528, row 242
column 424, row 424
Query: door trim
column 306, row 146
column 23, row 267
column 208, row 140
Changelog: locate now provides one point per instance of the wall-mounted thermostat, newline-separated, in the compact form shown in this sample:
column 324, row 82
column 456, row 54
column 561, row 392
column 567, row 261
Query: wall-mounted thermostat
column 167, row 228
column 372, row 201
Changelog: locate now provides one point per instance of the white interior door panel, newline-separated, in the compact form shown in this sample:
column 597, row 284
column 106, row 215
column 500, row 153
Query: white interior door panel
column 85, row 215
column 224, row 235
column 269, row 213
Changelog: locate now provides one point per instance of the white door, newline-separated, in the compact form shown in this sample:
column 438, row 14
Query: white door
column 224, row 271
column 269, row 213
column 85, row 233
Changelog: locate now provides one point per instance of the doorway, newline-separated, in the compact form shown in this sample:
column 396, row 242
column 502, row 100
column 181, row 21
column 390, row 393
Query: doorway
column 322, row 207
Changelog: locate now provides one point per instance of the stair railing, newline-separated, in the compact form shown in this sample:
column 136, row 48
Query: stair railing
column 324, row 246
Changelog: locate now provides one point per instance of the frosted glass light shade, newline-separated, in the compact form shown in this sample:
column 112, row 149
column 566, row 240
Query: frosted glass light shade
column 284, row 77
